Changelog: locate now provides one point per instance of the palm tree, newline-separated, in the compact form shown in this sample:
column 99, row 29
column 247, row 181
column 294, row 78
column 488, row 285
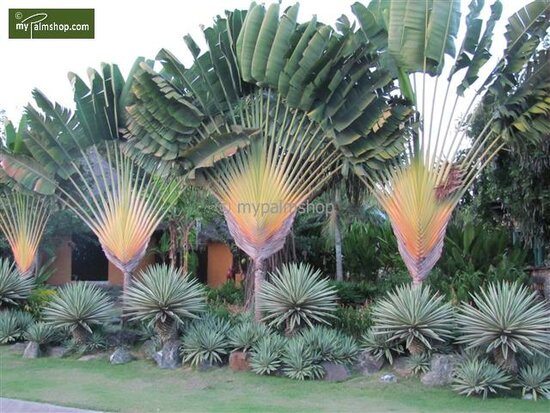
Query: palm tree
column 289, row 101
column 420, row 191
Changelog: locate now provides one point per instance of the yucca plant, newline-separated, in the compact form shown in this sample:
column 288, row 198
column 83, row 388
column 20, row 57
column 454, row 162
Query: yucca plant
column 205, row 341
column 164, row 297
column 479, row 377
column 266, row 355
column 506, row 319
column 245, row 335
column 420, row 190
column 23, row 218
column 419, row 363
column 40, row 333
column 78, row 307
column 534, row 378
column 300, row 361
column 285, row 104
column 296, row 296
column 381, row 346
column 414, row 315
column 331, row 345
column 14, row 289
column 13, row 324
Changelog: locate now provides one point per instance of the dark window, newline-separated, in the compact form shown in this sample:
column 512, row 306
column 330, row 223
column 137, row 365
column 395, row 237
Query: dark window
column 88, row 260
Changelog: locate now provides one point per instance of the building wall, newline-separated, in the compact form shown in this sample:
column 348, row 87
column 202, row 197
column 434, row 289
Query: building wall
column 220, row 260
column 115, row 275
column 62, row 263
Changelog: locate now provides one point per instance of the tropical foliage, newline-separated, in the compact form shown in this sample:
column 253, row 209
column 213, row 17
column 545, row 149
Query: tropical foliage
column 267, row 353
column 14, row 289
column 300, row 361
column 77, row 308
column 330, row 345
column 296, row 296
column 381, row 346
column 205, row 341
column 479, row 377
column 40, row 333
column 415, row 316
column 164, row 297
column 13, row 324
column 534, row 378
column 246, row 335
column 506, row 319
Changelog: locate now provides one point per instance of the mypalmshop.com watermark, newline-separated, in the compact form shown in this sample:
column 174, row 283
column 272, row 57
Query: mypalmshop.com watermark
column 265, row 208
column 51, row 23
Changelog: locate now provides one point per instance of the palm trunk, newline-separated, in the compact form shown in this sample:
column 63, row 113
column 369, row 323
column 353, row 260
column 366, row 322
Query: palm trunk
column 259, row 277
column 338, row 253
column 126, row 283
column 172, row 251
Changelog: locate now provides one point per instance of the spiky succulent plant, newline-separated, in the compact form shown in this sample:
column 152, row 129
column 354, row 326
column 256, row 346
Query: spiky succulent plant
column 78, row 307
column 534, row 377
column 419, row 363
column 13, row 287
column 205, row 341
column 297, row 296
column 164, row 297
column 13, row 324
column 267, row 353
column 300, row 361
column 414, row 315
column 381, row 345
column 40, row 333
column 246, row 334
column 479, row 377
column 505, row 318
column 330, row 345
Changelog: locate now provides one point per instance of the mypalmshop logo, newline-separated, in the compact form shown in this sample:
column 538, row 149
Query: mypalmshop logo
column 51, row 23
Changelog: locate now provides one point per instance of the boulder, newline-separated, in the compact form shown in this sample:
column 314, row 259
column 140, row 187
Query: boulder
column 94, row 356
column 388, row 378
column 528, row 396
column 148, row 349
column 335, row 372
column 32, row 350
column 441, row 370
column 169, row 356
column 19, row 346
column 239, row 361
column 56, row 351
column 368, row 364
column 401, row 367
column 121, row 356
column 207, row 365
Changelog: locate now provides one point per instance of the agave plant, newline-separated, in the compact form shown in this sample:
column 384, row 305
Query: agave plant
column 13, row 324
column 506, row 319
column 300, row 361
column 297, row 296
column 414, row 315
column 205, row 341
column 245, row 335
column 13, row 288
column 286, row 104
column 420, row 191
column 479, row 377
column 267, row 353
column 331, row 345
column 381, row 345
column 534, row 378
column 40, row 333
column 164, row 297
column 419, row 363
column 23, row 218
column 78, row 307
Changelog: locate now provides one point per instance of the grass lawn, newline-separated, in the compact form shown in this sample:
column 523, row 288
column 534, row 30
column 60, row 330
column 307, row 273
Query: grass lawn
column 141, row 387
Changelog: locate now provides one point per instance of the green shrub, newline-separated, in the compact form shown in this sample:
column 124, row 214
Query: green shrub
column 78, row 307
column 479, row 377
column 330, row 345
column 352, row 321
column 40, row 333
column 14, row 289
column 246, row 334
column 95, row 342
column 300, row 362
column 414, row 315
column 381, row 345
column 228, row 293
column 205, row 341
column 13, row 324
column 534, row 378
column 505, row 320
column 38, row 300
column 267, row 353
column 297, row 296
column 419, row 363
column 164, row 297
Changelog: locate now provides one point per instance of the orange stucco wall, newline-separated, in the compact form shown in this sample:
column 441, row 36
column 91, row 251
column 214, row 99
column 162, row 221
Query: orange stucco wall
column 220, row 259
column 115, row 275
column 62, row 263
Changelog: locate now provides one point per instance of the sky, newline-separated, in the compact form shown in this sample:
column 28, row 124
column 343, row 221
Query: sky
column 125, row 30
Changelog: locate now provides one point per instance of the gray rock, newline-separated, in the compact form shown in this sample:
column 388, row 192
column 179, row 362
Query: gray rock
column 401, row 367
column 19, row 347
column 207, row 365
column 388, row 378
column 441, row 370
column 121, row 356
column 528, row 396
column 169, row 356
column 32, row 351
column 149, row 349
column 95, row 356
column 56, row 351
column 368, row 364
column 335, row 372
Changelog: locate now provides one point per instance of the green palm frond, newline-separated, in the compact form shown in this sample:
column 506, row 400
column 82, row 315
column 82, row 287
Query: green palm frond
column 14, row 289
